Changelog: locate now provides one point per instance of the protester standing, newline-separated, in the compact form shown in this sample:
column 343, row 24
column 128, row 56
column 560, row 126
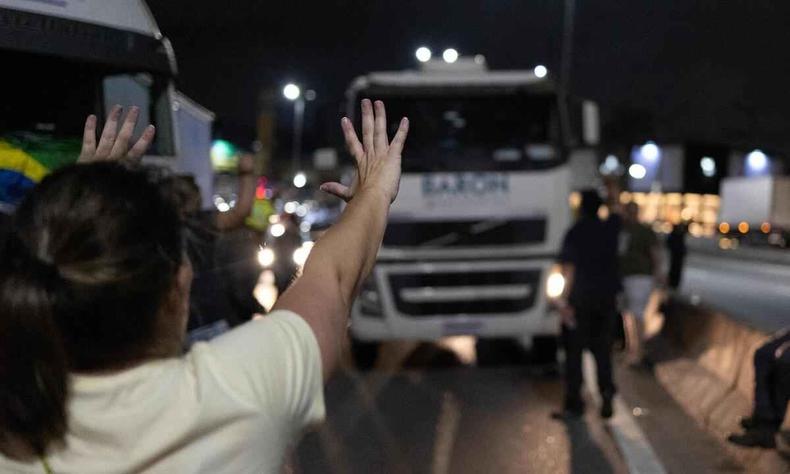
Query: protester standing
column 588, row 310
column 640, row 269
column 212, row 303
column 676, row 244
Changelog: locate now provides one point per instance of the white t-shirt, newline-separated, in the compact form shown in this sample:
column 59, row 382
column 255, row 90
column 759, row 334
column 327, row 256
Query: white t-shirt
column 233, row 405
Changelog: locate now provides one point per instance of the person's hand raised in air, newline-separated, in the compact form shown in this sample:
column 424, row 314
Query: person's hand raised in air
column 377, row 160
column 114, row 144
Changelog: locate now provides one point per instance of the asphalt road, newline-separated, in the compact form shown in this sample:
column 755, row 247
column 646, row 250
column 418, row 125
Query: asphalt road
column 439, row 415
column 754, row 292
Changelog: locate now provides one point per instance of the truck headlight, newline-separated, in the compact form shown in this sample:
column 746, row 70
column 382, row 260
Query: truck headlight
column 266, row 257
column 555, row 285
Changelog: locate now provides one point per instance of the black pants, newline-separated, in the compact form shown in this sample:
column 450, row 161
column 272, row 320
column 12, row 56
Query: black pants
column 675, row 270
column 772, row 380
column 594, row 331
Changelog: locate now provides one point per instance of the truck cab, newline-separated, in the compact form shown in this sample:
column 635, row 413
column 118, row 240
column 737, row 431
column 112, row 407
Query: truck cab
column 482, row 209
column 67, row 59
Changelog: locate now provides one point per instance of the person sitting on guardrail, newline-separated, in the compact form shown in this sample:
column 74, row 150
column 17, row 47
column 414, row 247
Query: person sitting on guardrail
column 94, row 292
column 771, row 393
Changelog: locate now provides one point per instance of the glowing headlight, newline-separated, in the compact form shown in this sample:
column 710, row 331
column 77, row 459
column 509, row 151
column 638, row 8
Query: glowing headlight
column 300, row 255
column 277, row 230
column 555, row 285
column 266, row 257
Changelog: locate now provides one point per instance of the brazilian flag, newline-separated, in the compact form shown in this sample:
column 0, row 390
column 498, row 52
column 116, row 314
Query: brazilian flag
column 25, row 158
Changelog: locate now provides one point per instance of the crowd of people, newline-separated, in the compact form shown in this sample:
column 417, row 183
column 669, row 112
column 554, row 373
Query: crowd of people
column 95, row 288
column 612, row 266
column 109, row 265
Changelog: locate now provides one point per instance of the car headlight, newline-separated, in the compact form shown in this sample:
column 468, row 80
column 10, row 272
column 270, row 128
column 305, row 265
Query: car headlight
column 266, row 257
column 555, row 285
column 300, row 255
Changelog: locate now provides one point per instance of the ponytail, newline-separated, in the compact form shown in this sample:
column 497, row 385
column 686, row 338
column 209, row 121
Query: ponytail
column 33, row 366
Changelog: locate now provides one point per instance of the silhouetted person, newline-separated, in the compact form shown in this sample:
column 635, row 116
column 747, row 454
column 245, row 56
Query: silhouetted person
column 589, row 264
column 676, row 244
column 771, row 393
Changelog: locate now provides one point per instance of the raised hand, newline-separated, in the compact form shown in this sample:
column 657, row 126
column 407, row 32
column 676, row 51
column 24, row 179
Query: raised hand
column 378, row 161
column 114, row 144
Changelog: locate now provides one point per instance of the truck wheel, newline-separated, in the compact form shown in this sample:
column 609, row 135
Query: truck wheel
column 364, row 353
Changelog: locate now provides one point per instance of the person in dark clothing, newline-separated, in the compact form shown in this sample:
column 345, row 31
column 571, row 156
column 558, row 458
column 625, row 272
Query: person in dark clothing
column 212, row 308
column 589, row 262
column 771, row 393
column 676, row 244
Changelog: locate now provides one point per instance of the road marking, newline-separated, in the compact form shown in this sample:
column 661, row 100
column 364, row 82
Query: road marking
column 631, row 441
column 446, row 430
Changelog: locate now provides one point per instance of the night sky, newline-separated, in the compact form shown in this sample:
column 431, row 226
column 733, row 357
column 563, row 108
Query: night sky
column 673, row 70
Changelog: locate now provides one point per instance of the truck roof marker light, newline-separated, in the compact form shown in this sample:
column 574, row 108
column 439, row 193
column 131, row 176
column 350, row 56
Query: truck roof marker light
column 637, row 171
column 743, row 227
column 450, row 55
column 540, row 71
column 423, row 54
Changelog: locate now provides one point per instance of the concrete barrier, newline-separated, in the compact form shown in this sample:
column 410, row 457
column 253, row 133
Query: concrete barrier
column 704, row 360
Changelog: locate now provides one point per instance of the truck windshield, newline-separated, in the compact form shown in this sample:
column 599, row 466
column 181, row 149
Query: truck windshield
column 476, row 133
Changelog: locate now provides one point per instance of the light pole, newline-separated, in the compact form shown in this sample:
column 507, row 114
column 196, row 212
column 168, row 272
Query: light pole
column 293, row 93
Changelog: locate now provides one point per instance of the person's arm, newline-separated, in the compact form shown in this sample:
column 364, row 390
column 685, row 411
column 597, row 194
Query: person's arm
column 567, row 313
column 568, row 270
column 346, row 253
column 235, row 217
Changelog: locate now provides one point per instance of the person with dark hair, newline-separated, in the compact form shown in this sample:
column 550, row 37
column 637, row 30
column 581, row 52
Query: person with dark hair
column 94, row 290
column 771, row 393
column 587, row 309
column 212, row 308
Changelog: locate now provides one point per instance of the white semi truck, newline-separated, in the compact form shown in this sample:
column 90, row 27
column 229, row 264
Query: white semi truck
column 473, row 237
column 756, row 210
column 65, row 59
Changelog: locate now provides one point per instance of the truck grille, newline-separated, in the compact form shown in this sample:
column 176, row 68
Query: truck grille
column 465, row 233
column 490, row 292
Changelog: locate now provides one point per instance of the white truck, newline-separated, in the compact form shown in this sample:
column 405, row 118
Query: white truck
column 473, row 237
column 65, row 59
column 756, row 210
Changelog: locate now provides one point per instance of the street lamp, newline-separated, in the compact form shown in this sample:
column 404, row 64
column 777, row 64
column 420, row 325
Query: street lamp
column 292, row 91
